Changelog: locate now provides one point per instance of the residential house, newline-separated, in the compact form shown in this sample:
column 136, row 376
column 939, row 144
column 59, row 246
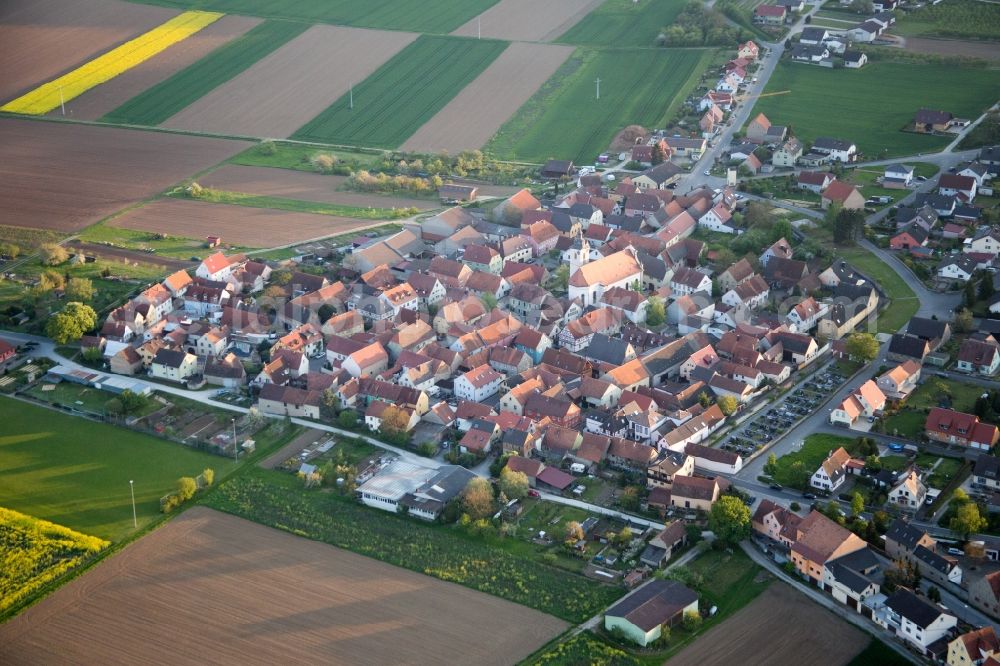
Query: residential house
column 662, row 546
column 173, row 365
column 814, row 181
column 756, row 130
column 903, row 347
column 867, row 401
column 932, row 120
column 915, row 620
column 817, row 541
column 899, row 382
column 984, row 593
column 832, row 472
column 951, row 427
column 710, row 460
column 478, row 384
column 590, row 281
column 909, row 237
column 902, row 539
column 694, row 492
column 897, row 176
column 368, row 361
column 642, row 614
column 909, row 492
column 979, row 354
column 974, row 647
column 837, row 149
column 957, row 267
column 953, row 185
column 673, row 463
column 842, row 194
column 986, row 473
column 856, row 59
column 787, row 154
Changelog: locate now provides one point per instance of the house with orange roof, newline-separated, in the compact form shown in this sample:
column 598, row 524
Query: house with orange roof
column 512, row 209
column 842, row 194
column 832, row 472
column 590, row 281
column 177, row 283
column 866, row 401
column 974, row 648
column 578, row 333
column 899, row 382
column 478, row 384
column 818, row 540
column 367, row 361
column 218, row 267
column 909, row 492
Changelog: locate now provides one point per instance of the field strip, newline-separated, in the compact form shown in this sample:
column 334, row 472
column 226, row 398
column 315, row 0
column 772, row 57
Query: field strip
column 283, row 91
column 474, row 115
column 170, row 96
column 109, row 96
column 104, row 68
column 527, row 20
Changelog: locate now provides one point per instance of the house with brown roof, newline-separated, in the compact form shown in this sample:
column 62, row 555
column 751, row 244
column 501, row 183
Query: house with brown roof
column 627, row 455
column 974, row 647
column 710, row 460
column 832, row 472
column 771, row 520
column 289, row 401
column 979, row 354
column 818, row 540
column 694, row 492
column 642, row 614
column 951, row 427
column 842, row 194
column 984, row 593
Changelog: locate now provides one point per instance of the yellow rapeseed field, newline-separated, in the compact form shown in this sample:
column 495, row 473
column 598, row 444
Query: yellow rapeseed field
column 104, row 68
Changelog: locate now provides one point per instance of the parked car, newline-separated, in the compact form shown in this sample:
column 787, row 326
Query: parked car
column 776, row 486
column 808, row 496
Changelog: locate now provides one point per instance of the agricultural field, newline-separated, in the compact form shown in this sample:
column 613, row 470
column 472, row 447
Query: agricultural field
column 289, row 184
column 256, row 594
column 430, row 16
column 624, row 23
column 506, row 568
column 76, row 473
column 955, row 19
column 876, row 102
column 475, row 114
column 51, row 95
column 404, row 93
column 41, row 39
column 953, row 47
column 168, row 97
column 548, row 19
column 564, row 120
column 241, row 225
column 108, row 96
column 816, row 636
column 80, row 189
column 35, row 553
column 283, row 91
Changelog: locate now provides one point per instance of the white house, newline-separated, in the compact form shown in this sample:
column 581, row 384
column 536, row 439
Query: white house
column 175, row 366
column 478, row 384
column 958, row 267
column 751, row 294
column 914, row 619
column 900, row 175
column 718, row 219
column 837, row 149
column 832, row 472
column 909, row 492
column 219, row 267
column 590, row 281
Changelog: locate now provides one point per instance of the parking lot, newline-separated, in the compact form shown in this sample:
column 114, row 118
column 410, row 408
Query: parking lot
column 776, row 420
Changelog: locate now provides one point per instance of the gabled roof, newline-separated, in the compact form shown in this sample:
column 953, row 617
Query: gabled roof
column 654, row 604
column 915, row 609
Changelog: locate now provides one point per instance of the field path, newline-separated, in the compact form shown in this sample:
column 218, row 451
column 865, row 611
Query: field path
column 108, row 96
column 476, row 113
column 285, row 90
column 43, row 39
column 528, row 20
column 213, row 588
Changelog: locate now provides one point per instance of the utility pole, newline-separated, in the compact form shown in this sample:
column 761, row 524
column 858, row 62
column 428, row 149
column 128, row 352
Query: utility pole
column 598, row 82
column 351, row 93
column 479, row 28
column 62, row 101
column 131, row 487
column 236, row 447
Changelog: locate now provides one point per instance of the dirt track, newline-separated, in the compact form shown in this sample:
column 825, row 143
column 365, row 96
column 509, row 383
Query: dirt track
column 213, row 588
column 953, row 47
column 528, row 20
column 64, row 177
column 105, row 252
column 240, row 225
column 288, row 88
column 109, row 96
column 475, row 114
column 42, row 39
column 301, row 185
column 761, row 633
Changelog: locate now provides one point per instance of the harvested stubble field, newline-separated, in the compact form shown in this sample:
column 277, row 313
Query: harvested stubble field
column 109, row 96
column 954, row 47
column 64, row 177
column 528, row 20
column 469, row 120
column 282, row 92
column 289, row 184
column 242, row 225
column 817, row 636
column 41, row 39
column 259, row 595
column 404, row 93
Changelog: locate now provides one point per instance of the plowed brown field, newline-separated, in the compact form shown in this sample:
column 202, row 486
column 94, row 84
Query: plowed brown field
column 41, row 39
column 63, row 177
column 528, row 20
column 213, row 588
column 106, row 97
column 265, row 181
column 288, row 88
column 475, row 114
column 809, row 634
column 241, row 225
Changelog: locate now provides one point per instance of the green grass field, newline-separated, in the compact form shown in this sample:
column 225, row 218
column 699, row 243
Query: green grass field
column 76, row 473
column 904, row 302
column 297, row 205
column 875, row 103
column 564, row 120
column 957, row 19
column 434, row 16
column 404, row 93
column 624, row 23
column 160, row 102
column 814, row 451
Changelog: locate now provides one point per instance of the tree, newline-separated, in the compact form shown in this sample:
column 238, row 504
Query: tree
column 862, row 7
column 348, row 419
column 326, row 311
column 132, row 402
column 489, row 301
column 799, row 475
column 847, row 226
column 656, row 313
column 756, row 215
column 50, row 280
column 728, row 404
column 986, row 289
column 970, row 294
column 477, row 498
column 71, row 323
column 729, row 519
column 331, row 400
column 208, row 476
column 873, row 464
column 934, row 594
column 9, row 250
column 704, row 399
column 92, row 354
column 967, row 520
column 771, row 466
column 513, row 484
column 857, row 504
column 52, row 254
column 395, row 420
column 963, row 321
column 691, row 621
column 560, row 279
column 186, row 487
column 862, row 347
column 80, row 289
column 624, row 537
column 658, row 156
column 254, row 418
column 630, row 498
column 574, row 531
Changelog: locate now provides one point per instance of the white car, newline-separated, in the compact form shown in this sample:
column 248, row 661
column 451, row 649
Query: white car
column 707, row 172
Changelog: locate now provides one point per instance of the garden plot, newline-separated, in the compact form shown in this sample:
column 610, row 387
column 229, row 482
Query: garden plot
column 283, row 91
column 528, row 20
column 41, row 39
column 469, row 120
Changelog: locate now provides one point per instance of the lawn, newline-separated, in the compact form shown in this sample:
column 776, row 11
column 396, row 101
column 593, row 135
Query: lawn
column 296, row 205
column 565, row 120
column 865, row 180
column 162, row 245
column 904, row 302
column 906, row 423
column 624, row 23
column 507, row 568
column 76, row 473
column 436, row 16
column 166, row 98
column 957, row 19
column 404, row 93
column 81, row 397
column 894, row 463
column 929, row 394
column 812, row 453
column 875, row 103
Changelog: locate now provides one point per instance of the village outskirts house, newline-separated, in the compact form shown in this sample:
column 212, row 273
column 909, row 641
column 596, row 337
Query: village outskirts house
column 173, row 365
column 642, row 614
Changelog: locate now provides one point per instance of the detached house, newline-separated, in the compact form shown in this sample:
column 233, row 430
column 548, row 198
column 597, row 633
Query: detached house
column 909, row 492
column 914, row 619
column 979, row 354
column 842, row 194
column 951, row 427
column 898, row 383
column 867, row 401
column 832, row 472
column 172, row 365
